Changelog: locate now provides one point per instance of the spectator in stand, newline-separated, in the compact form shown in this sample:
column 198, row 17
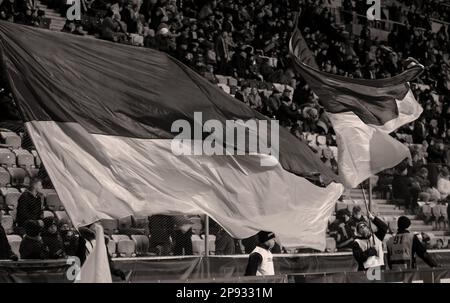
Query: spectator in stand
column 160, row 227
column 342, row 231
column 69, row 238
column 356, row 217
column 443, row 184
column 254, row 99
column 182, row 236
column 52, row 239
column 5, row 249
column 273, row 103
column 32, row 246
column 30, row 205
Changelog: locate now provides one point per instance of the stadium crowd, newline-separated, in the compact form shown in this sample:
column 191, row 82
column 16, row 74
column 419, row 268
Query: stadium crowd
column 242, row 46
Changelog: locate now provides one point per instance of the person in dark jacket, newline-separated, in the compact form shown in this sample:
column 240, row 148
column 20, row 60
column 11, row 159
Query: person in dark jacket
column 368, row 246
column 32, row 246
column 403, row 248
column 5, row 249
column 29, row 206
column 52, row 239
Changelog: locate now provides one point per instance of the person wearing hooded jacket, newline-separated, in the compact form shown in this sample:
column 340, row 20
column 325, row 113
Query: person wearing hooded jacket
column 368, row 246
column 404, row 246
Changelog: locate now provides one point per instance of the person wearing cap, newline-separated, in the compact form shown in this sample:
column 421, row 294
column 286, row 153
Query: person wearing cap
column 368, row 245
column 404, row 246
column 260, row 261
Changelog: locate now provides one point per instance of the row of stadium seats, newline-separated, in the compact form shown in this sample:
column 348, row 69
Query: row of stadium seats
column 10, row 138
column 9, row 196
column 17, row 176
column 19, row 158
column 127, row 247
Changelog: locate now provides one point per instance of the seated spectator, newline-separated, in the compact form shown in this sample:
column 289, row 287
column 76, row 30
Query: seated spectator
column 5, row 249
column 356, row 217
column 112, row 28
column 342, row 231
column 32, row 246
column 254, row 99
column 69, row 238
column 426, row 213
column 443, row 185
column 440, row 213
column 29, row 206
column 52, row 239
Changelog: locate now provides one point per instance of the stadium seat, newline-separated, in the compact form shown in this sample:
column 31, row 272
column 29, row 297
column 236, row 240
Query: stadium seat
column 19, row 176
column 53, row 201
column 14, row 242
column 222, row 79
column 232, row 81
column 330, row 245
column 7, row 158
column 12, row 198
column 48, row 214
column 125, row 223
column 112, row 246
column 24, row 158
column 198, row 245
column 7, row 223
column 141, row 222
column 32, row 172
column 62, row 215
column 321, row 140
column 110, row 226
column 126, row 248
column 37, row 159
column 11, row 139
column 142, row 244
column 5, row 177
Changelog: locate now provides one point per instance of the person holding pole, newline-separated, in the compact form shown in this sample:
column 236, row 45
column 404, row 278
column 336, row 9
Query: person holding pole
column 368, row 246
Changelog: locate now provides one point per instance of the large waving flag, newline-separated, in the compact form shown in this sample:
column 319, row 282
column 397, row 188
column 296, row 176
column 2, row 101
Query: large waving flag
column 363, row 113
column 100, row 115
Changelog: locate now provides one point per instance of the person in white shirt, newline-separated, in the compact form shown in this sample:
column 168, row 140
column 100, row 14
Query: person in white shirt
column 443, row 184
column 260, row 261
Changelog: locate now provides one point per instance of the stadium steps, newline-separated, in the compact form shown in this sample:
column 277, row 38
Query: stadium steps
column 57, row 21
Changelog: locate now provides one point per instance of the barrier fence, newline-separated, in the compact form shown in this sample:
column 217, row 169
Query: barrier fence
column 300, row 268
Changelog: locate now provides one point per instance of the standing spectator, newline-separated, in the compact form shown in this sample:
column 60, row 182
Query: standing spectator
column 32, row 246
column 160, row 227
column 182, row 236
column 29, row 206
column 52, row 239
column 224, row 243
column 273, row 103
column 223, row 52
column 5, row 249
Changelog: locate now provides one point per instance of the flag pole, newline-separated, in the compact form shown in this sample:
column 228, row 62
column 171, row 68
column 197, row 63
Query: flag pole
column 367, row 209
column 207, row 236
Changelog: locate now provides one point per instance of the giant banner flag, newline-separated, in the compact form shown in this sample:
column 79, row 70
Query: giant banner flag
column 101, row 114
column 363, row 114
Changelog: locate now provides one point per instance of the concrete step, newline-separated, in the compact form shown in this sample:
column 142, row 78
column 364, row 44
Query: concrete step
column 394, row 212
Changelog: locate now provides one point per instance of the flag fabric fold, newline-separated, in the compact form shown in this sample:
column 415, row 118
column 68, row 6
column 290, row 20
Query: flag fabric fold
column 100, row 116
column 96, row 267
column 363, row 113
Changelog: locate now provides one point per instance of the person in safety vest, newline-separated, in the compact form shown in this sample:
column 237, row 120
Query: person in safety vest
column 260, row 261
column 368, row 245
column 404, row 246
